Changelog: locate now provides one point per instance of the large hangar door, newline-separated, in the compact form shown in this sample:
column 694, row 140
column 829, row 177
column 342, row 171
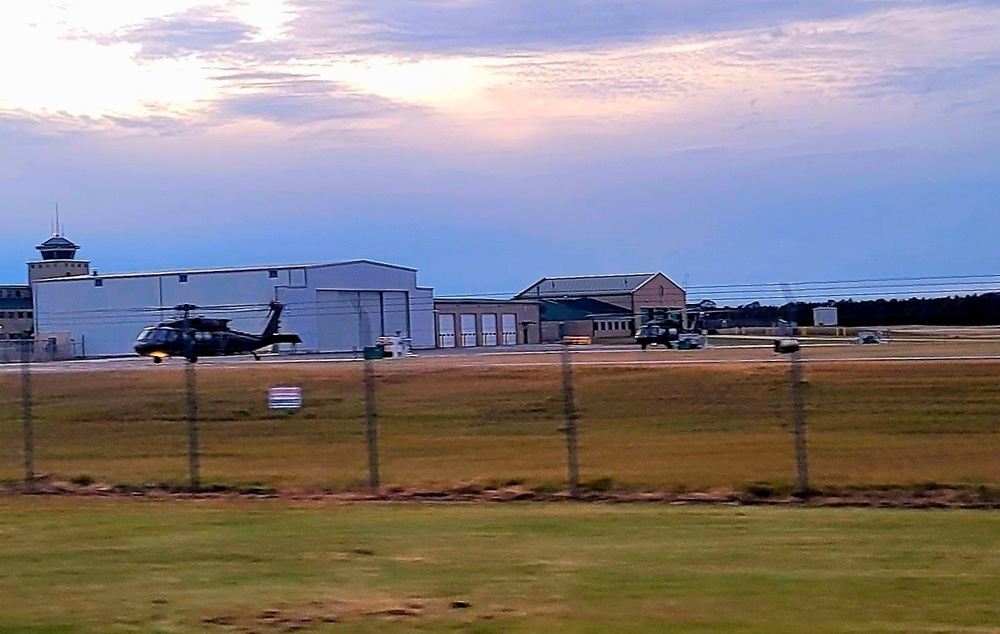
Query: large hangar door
column 396, row 313
column 348, row 320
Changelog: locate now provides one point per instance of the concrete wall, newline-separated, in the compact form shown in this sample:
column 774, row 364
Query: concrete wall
column 613, row 327
column 554, row 331
column 47, row 269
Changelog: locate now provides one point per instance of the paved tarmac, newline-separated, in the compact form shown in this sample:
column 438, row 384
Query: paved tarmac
column 750, row 351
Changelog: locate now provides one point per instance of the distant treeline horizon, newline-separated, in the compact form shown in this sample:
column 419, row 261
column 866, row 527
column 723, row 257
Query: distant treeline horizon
column 969, row 310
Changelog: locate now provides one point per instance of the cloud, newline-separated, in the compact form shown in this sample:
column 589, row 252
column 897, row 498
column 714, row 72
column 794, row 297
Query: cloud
column 292, row 99
column 513, row 71
column 505, row 27
column 200, row 30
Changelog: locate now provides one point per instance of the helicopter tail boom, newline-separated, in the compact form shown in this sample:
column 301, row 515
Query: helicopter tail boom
column 272, row 323
column 282, row 338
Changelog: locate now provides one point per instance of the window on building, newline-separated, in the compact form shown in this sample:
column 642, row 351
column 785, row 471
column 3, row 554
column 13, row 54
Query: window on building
column 98, row 282
column 182, row 278
column 20, row 314
column 27, row 314
column 272, row 274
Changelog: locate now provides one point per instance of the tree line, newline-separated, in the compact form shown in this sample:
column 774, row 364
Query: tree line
column 969, row 310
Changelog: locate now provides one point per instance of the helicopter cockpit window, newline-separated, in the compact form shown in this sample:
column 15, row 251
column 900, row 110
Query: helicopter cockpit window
column 145, row 334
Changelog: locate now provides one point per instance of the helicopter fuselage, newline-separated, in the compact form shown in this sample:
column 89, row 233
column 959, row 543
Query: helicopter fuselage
column 193, row 337
column 168, row 341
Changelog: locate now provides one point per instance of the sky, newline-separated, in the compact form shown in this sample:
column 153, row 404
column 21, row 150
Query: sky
column 489, row 143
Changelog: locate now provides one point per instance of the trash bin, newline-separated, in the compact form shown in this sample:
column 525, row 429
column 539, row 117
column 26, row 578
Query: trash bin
column 374, row 352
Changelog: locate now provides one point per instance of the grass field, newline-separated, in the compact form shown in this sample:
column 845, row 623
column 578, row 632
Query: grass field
column 114, row 565
column 445, row 422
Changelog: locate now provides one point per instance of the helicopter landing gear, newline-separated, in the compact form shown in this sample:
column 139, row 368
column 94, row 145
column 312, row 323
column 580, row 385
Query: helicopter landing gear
column 157, row 360
column 255, row 356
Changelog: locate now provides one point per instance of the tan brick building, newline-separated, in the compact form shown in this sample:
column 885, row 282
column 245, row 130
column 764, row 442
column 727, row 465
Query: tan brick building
column 601, row 306
column 473, row 322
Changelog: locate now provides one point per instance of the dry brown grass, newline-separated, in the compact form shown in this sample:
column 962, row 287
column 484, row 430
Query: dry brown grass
column 449, row 421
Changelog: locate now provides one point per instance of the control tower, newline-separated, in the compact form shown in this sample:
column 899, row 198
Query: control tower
column 58, row 260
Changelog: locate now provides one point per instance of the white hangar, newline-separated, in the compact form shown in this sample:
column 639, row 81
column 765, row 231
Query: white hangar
column 333, row 307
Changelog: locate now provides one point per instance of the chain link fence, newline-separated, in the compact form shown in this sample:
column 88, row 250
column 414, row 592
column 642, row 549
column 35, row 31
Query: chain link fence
column 575, row 421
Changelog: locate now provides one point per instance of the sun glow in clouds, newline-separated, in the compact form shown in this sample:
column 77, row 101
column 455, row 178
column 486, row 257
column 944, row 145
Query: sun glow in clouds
column 76, row 60
column 63, row 70
column 68, row 68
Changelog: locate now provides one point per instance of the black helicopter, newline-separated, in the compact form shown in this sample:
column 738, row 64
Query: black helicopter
column 669, row 330
column 193, row 337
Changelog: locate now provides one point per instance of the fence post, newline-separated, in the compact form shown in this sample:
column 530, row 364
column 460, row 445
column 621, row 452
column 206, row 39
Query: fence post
column 799, row 420
column 27, row 422
column 194, row 477
column 371, row 426
column 569, row 408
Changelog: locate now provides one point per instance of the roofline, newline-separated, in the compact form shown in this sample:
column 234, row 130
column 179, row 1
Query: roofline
column 648, row 277
column 476, row 300
column 233, row 269
column 56, row 260
column 361, row 290
column 580, row 277
column 668, row 279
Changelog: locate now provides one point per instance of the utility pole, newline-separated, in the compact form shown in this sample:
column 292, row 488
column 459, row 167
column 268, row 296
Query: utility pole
column 371, row 426
column 194, row 477
column 194, row 467
column 569, row 408
column 799, row 421
column 27, row 422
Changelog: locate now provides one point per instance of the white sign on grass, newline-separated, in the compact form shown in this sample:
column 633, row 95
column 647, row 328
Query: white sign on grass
column 284, row 397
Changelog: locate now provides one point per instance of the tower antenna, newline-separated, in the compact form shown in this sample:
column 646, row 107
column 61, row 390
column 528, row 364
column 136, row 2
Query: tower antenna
column 58, row 230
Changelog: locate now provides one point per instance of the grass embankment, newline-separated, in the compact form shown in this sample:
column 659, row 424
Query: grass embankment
column 93, row 565
column 681, row 427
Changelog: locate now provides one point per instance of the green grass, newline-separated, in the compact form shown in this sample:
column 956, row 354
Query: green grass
column 690, row 427
column 112, row 565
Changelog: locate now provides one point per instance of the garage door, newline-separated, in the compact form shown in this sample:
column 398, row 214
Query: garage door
column 446, row 331
column 489, row 330
column 509, row 329
column 468, row 323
